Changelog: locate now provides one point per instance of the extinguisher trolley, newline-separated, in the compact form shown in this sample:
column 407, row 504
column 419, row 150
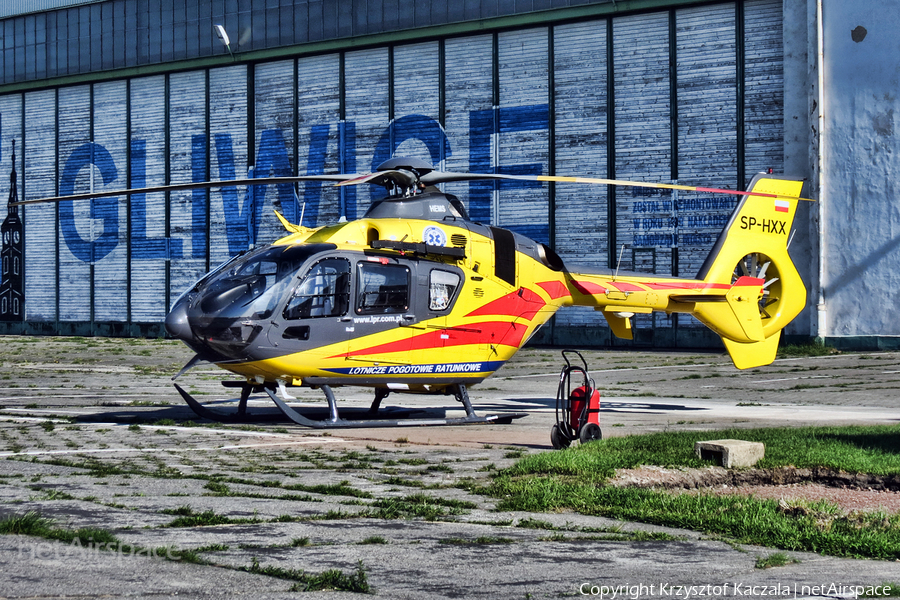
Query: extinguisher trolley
column 577, row 409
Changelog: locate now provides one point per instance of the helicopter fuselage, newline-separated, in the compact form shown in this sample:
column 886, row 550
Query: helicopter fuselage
column 411, row 297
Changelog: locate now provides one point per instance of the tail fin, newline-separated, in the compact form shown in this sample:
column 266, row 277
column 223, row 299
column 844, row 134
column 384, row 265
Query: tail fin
column 751, row 257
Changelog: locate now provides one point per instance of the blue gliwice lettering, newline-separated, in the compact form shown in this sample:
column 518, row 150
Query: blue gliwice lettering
column 243, row 210
column 143, row 247
column 104, row 209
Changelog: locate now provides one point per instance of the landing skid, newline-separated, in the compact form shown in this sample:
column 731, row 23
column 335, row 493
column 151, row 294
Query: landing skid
column 241, row 416
column 333, row 421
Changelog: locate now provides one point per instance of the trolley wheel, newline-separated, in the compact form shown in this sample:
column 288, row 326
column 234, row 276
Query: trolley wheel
column 589, row 432
column 558, row 438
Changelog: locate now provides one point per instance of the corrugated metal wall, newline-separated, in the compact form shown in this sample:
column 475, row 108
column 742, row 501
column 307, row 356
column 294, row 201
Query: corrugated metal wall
column 664, row 87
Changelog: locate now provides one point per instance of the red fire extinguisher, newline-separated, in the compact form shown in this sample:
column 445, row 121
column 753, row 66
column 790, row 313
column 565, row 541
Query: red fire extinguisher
column 578, row 409
column 583, row 410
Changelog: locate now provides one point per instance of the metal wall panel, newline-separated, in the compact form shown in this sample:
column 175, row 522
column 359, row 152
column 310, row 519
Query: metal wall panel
column 580, row 124
column 147, row 167
column 367, row 93
column 643, row 141
column 764, row 88
column 110, row 246
column 13, row 250
column 231, row 215
column 320, row 130
column 415, row 130
column 643, row 147
column 468, row 86
column 77, row 227
column 188, row 142
column 40, row 219
column 274, row 93
column 706, row 97
column 20, row 7
column 523, row 127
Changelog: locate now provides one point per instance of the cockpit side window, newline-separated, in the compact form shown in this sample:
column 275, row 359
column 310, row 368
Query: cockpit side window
column 382, row 288
column 441, row 287
column 323, row 292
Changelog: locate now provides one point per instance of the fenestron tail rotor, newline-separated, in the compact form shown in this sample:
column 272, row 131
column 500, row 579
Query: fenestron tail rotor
column 760, row 266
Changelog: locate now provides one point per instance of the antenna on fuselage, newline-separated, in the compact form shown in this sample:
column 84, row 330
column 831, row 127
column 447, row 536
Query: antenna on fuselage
column 619, row 262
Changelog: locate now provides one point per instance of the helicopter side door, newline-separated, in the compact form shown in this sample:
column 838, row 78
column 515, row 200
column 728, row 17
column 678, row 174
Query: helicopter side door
column 316, row 312
column 383, row 306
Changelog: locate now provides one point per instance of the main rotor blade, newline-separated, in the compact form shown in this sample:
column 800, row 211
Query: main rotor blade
column 177, row 187
column 436, row 177
column 400, row 178
column 403, row 179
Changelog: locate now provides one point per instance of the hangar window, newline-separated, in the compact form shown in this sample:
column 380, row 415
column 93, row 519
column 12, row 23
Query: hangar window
column 382, row 288
column 323, row 292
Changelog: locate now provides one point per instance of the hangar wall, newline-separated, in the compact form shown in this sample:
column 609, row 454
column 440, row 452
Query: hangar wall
column 859, row 211
column 693, row 94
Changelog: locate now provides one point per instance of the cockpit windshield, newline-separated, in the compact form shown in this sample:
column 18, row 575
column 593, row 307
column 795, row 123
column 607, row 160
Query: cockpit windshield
column 252, row 287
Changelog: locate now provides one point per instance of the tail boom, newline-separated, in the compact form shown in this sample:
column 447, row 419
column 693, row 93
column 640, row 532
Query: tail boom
column 747, row 291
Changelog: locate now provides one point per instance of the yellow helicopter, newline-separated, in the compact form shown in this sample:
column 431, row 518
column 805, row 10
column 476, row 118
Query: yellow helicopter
column 415, row 297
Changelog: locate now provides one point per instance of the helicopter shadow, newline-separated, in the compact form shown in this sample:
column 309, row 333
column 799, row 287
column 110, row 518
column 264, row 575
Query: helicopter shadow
column 257, row 413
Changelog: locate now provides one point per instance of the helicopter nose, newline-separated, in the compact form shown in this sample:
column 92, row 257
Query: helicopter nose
column 177, row 322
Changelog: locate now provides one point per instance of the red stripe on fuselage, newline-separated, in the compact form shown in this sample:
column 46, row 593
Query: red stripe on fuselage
column 489, row 332
column 626, row 287
column 522, row 303
column 588, row 287
column 700, row 285
column 555, row 289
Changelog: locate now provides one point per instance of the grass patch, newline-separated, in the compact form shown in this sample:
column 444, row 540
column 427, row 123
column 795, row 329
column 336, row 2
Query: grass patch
column 855, row 449
column 802, row 350
column 330, row 489
column 217, row 488
column 374, row 539
column 33, row 524
column 418, row 505
column 188, row 518
column 779, row 559
column 574, row 479
column 395, row 480
column 30, row 523
column 333, row 579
